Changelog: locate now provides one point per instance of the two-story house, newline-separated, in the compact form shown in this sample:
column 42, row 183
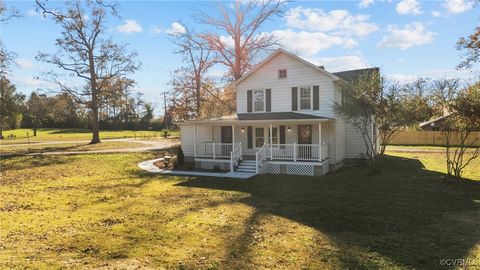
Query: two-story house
column 285, row 122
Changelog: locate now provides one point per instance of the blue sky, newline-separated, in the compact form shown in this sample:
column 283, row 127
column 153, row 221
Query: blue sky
column 406, row 39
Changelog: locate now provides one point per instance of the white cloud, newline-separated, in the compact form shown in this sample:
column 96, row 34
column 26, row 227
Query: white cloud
column 130, row 26
column 156, row 30
column 32, row 12
column 31, row 82
column 411, row 35
column 341, row 63
column 338, row 21
column 436, row 13
column 436, row 74
column 312, row 30
column 365, row 3
column 176, row 28
column 309, row 43
column 458, row 6
column 408, row 7
column 24, row 63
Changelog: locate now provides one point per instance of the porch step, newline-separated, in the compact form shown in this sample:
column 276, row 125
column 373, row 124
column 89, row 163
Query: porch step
column 246, row 166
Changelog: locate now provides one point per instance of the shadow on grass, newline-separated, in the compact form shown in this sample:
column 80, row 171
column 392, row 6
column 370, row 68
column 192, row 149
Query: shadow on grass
column 19, row 162
column 408, row 215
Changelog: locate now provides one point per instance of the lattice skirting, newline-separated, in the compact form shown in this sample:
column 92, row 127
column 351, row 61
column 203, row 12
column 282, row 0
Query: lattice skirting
column 210, row 165
column 272, row 168
column 301, row 169
column 294, row 169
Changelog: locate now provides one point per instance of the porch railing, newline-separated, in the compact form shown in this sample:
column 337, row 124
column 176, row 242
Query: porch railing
column 235, row 156
column 260, row 156
column 297, row 152
column 214, row 150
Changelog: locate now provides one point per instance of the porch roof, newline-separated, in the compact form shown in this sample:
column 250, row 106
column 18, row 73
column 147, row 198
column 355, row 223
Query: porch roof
column 260, row 118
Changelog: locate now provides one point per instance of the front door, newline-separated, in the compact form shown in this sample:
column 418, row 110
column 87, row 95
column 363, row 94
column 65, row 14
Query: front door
column 304, row 134
column 304, row 137
column 227, row 137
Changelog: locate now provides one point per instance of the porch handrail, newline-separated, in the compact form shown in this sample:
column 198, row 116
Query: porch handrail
column 298, row 152
column 235, row 155
column 260, row 156
column 213, row 150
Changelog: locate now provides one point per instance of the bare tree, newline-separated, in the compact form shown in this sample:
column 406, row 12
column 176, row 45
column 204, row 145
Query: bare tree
column 86, row 53
column 462, row 146
column 241, row 25
column 197, row 56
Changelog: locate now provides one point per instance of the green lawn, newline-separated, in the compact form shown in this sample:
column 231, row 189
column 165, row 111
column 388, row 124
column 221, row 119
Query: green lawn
column 36, row 148
column 48, row 134
column 101, row 211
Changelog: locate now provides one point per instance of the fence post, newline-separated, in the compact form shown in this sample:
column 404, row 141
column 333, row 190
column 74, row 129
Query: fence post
column 231, row 161
column 294, row 152
column 241, row 153
column 28, row 138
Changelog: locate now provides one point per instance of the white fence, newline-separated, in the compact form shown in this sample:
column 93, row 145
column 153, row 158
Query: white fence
column 214, row 150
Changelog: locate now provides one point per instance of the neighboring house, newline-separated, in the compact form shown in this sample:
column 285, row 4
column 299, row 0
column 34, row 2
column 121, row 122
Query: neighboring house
column 285, row 122
column 437, row 124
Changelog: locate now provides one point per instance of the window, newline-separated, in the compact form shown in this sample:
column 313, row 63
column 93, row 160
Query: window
column 259, row 100
column 259, row 137
column 274, row 135
column 282, row 74
column 305, row 99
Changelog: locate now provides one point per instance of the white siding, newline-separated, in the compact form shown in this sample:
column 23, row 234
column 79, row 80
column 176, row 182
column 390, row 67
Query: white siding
column 355, row 142
column 340, row 138
column 298, row 74
column 204, row 134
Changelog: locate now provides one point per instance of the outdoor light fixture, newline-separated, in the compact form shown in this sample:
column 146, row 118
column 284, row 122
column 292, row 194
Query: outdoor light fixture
column 243, row 129
column 288, row 128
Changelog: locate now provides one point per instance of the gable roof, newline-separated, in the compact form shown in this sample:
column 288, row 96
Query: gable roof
column 354, row 74
column 279, row 51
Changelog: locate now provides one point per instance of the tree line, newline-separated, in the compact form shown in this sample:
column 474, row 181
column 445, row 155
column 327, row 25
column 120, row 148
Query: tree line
column 39, row 110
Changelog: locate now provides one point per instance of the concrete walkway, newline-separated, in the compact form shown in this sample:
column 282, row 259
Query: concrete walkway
column 148, row 166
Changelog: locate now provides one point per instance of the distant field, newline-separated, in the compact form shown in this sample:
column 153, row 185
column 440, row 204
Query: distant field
column 47, row 134
column 43, row 148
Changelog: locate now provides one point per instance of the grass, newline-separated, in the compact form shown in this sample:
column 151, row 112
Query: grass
column 421, row 147
column 32, row 148
column 48, row 134
column 101, row 211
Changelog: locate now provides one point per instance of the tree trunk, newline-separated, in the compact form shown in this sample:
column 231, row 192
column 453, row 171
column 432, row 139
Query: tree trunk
column 34, row 132
column 95, row 124
column 197, row 94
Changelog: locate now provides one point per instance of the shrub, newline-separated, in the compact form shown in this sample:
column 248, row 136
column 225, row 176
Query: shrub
column 217, row 168
column 180, row 156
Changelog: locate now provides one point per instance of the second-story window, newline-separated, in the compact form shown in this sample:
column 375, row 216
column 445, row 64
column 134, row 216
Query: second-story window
column 282, row 74
column 305, row 98
column 259, row 100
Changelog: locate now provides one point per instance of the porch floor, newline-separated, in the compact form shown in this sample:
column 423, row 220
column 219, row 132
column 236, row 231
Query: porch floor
column 148, row 166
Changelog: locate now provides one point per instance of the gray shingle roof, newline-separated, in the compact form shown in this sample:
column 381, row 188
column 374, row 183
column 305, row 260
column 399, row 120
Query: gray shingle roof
column 351, row 75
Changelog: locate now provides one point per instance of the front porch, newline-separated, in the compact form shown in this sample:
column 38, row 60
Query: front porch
column 282, row 147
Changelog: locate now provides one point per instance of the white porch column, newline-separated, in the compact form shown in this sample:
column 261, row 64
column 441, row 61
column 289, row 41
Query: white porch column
column 233, row 137
column 271, row 142
column 194, row 140
column 320, row 141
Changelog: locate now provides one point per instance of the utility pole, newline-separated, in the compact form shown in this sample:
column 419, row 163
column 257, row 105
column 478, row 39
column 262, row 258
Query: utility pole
column 165, row 120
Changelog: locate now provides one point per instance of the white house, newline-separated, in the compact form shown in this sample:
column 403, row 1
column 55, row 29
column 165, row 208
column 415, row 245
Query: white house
column 285, row 122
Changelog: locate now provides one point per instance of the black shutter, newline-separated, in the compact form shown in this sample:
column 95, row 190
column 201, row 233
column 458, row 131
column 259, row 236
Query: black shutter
column 294, row 98
column 316, row 100
column 282, row 134
column 249, row 138
column 268, row 96
column 249, row 101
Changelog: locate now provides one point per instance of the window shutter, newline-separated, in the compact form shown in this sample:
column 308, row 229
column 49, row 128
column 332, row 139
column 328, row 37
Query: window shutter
column 316, row 98
column 268, row 101
column 294, row 98
column 249, row 138
column 249, row 101
column 282, row 134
